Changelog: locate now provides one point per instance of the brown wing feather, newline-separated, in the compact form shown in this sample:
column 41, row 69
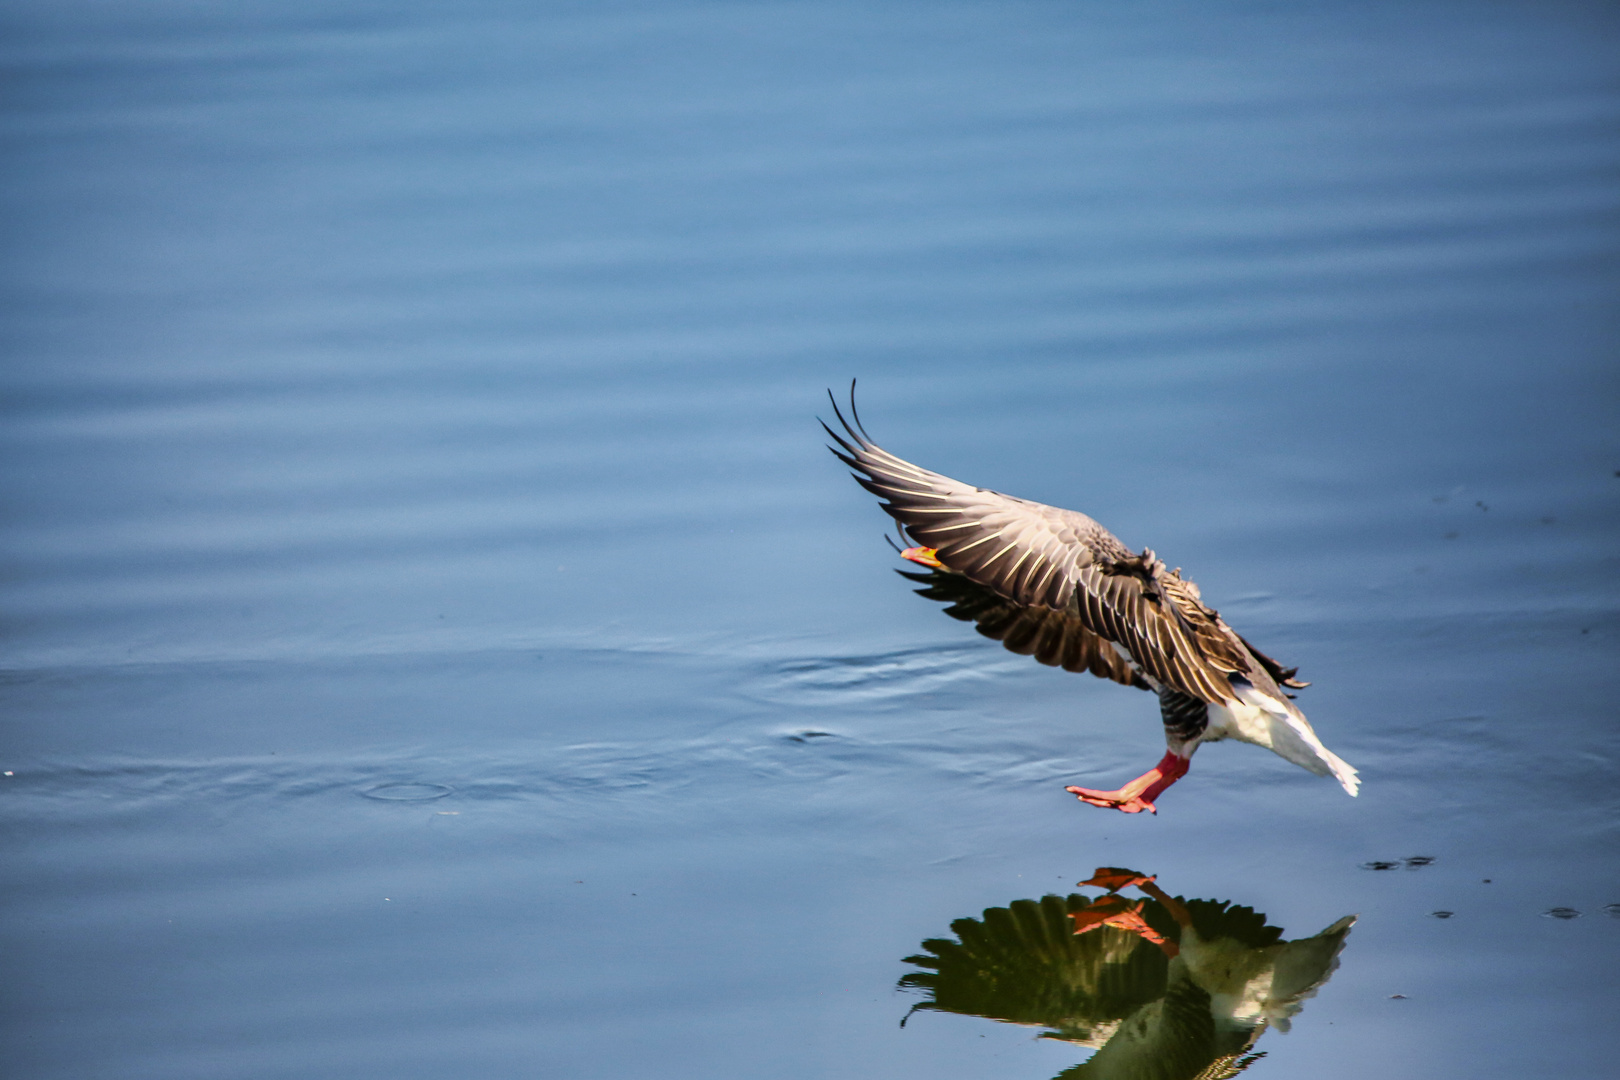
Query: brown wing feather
column 1058, row 561
column 1055, row 638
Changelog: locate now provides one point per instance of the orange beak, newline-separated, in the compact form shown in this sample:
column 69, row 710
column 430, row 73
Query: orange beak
column 926, row 556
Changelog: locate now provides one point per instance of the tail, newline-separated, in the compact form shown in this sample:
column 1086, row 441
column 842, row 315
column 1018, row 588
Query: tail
column 1341, row 769
column 1293, row 738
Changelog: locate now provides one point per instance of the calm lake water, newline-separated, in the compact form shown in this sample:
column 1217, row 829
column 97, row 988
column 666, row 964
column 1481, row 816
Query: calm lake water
column 437, row 644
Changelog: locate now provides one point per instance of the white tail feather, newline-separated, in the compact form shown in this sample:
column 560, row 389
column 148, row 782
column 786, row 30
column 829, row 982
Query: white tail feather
column 1280, row 727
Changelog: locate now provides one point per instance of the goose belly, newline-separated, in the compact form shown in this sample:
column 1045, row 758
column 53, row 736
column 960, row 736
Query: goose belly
column 1241, row 721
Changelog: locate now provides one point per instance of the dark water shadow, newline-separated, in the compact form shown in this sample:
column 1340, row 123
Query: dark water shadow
column 1162, row 987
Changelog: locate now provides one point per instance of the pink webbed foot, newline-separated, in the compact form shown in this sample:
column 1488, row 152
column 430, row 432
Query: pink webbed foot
column 1138, row 795
column 1120, row 800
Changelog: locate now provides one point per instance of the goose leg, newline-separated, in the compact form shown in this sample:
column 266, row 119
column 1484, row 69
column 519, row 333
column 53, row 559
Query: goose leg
column 1138, row 795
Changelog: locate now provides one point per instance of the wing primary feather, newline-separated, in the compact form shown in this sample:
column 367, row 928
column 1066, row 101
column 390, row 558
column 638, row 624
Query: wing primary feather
column 918, row 494
column 868, row 448
column 845, row 458
column 998, row 554
column 1012, row 574
column 837, row 437
column 853, row 411
column 1051, row 569
column 865, row 443
column 904, row 470
column 983, row 539
column 899, row 464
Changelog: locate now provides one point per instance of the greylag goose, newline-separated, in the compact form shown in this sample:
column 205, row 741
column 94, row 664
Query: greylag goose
column 1055, row 584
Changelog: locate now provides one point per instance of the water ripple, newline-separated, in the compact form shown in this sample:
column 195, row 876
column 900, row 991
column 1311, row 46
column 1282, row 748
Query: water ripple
column 590, row 779
column 877, row 677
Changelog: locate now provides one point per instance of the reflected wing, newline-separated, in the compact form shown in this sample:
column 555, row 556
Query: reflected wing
column 1025, row 964
column 1041, row 556
column 1055, row 638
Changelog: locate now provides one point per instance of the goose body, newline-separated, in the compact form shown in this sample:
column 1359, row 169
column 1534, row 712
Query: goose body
column 1057, row 585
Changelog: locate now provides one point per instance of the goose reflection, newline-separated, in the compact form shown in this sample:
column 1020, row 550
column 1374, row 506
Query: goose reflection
column 1163, row 988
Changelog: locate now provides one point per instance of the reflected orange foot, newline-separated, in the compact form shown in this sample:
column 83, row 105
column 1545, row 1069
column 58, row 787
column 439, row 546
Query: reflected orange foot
column 1121, row 914
column 1115, row 878
column 1138, row 795
column 1108, row 911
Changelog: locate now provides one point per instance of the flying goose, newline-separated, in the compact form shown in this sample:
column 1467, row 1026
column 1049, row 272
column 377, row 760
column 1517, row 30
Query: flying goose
column 1055, row 584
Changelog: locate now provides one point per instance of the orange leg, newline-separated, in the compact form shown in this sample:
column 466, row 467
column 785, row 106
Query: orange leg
column 1138, row 795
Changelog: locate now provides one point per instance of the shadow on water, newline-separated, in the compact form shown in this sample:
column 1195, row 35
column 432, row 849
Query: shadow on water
column 1162, row 987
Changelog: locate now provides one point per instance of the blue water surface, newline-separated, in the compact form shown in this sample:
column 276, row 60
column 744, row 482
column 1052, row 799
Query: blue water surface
column 436, row 643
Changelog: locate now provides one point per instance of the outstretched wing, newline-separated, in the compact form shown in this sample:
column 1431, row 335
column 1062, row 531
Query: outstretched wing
column 1041, row 556
column 1055, row 638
